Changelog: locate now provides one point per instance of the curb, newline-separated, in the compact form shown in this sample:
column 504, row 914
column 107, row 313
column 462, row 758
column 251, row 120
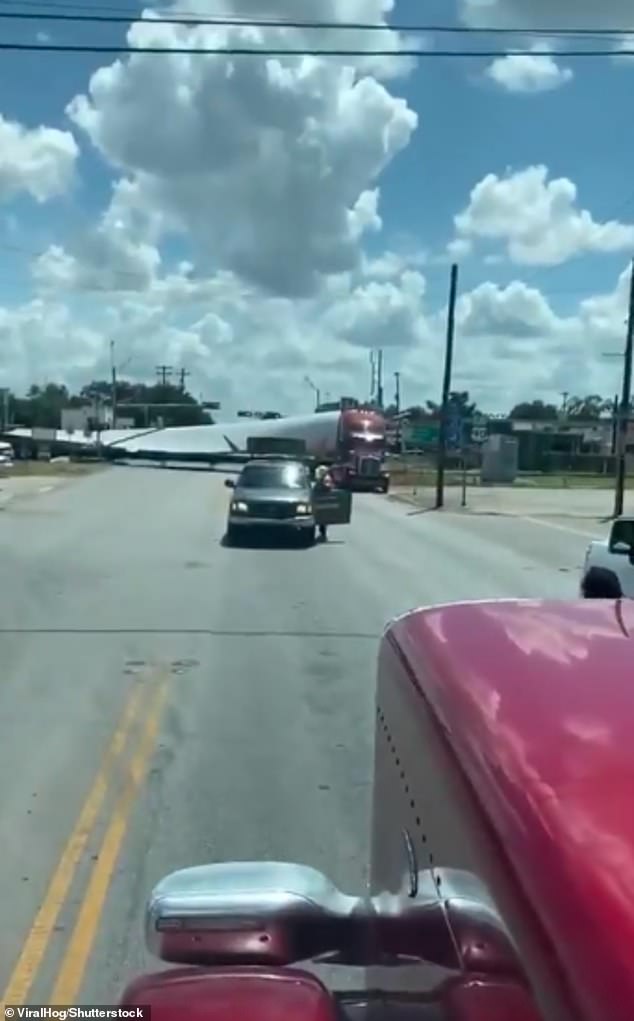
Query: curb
column 467, row 511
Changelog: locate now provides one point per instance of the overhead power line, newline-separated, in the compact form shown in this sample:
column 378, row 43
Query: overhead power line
column 193, row 20
column 266, row 51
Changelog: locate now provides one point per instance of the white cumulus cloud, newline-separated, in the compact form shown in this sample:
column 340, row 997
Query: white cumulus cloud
column 268, row 166
column 538, row 219
column 244, row 347
column 530, row 72
column 40, row 161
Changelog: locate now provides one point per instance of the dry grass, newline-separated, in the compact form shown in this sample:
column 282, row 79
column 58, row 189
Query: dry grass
column 33, row 469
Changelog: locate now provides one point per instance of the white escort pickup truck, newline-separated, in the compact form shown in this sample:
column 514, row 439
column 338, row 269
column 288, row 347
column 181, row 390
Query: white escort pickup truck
column 608, row 569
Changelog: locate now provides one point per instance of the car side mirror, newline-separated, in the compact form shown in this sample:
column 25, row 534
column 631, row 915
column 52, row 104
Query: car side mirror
column 230, row 484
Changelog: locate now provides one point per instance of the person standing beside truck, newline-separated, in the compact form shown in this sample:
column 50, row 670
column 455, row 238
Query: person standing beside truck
column 323, row 484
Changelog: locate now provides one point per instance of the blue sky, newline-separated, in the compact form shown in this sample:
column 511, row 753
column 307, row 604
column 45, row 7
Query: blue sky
column 468, row 127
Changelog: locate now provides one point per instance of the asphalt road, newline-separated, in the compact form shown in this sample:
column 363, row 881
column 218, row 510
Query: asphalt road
column 166, row 700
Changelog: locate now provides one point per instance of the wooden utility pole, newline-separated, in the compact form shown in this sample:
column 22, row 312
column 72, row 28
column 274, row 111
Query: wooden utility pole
column 397, row 395
column 113, row 369
column 372, row 376
column 184, row 373
column 446, row 389
column 163, row 371
column 4, row 409
column 379, row 376
column 626, row 395
column 615, row 424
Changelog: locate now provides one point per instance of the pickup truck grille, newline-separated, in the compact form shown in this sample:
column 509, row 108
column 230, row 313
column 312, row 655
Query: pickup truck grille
column 275, row 511
column 369, row 467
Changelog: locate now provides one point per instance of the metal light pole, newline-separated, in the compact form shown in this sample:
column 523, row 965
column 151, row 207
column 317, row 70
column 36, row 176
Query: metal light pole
column 316, row 390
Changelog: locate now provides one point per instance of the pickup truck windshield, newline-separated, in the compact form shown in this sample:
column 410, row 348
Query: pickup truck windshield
column 290, row 476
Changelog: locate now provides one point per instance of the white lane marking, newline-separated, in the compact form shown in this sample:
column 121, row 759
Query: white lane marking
column 558, row 528
column 45, row 489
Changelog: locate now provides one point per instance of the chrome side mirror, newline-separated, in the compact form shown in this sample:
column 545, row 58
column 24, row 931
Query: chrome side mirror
column 248, row 913
column 277, row 913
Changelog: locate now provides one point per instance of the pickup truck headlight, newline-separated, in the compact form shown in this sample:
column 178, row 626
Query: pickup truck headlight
column 302, row 508
column 239, row 507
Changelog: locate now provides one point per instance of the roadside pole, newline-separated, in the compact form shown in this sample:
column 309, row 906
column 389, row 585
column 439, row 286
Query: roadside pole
column 4, row 409
column 464, row 478
column 446, row 389
column 624, row 411
column 615, row 426
column 113, row 370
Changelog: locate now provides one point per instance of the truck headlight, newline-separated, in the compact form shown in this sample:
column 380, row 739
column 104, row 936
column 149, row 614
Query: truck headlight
column 239, row 507
column 302, row 508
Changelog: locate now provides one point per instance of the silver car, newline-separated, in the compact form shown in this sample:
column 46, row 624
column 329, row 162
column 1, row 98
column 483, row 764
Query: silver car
column 273, row 494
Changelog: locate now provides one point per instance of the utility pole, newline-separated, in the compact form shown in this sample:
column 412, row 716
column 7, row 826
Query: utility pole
column 379, row 374
column 372, row 376
column 4, row 409
column 619, row 492
column 397, row 395
column 615, row 424
column 184, row 373
column 446, row 388
column 113, row 369
column 163, row 371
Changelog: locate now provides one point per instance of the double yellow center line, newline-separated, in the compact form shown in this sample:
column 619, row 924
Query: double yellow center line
column 73, row 965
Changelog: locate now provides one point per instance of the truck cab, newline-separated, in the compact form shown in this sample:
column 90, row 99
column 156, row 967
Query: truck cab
column 361, row 451
column 608, row 569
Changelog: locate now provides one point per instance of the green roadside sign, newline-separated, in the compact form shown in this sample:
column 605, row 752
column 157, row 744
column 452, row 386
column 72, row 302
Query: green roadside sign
column 422, row 435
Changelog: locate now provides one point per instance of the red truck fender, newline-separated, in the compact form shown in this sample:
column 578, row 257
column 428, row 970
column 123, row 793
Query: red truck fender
column 504, row 751
column 233, row 994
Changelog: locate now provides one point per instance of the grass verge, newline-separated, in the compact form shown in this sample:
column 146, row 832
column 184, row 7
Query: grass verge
column 34, row 469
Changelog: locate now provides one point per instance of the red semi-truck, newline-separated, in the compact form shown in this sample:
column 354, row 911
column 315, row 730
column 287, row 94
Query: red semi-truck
column 360, row 451
column 352, row 441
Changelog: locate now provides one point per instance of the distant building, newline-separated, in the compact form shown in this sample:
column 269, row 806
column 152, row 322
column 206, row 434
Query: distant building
column 77, row 419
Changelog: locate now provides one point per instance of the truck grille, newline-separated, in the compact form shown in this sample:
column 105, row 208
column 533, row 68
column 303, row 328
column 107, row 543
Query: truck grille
column 368, row 467
column 275, row 511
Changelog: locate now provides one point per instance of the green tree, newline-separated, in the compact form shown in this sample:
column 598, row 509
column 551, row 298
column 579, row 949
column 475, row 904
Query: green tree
column 43, row 406
column 459, row 401
column 535, row 411
column 587, row 408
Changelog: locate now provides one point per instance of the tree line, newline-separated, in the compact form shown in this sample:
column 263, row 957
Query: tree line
column 42, row 406
column 575, row 409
